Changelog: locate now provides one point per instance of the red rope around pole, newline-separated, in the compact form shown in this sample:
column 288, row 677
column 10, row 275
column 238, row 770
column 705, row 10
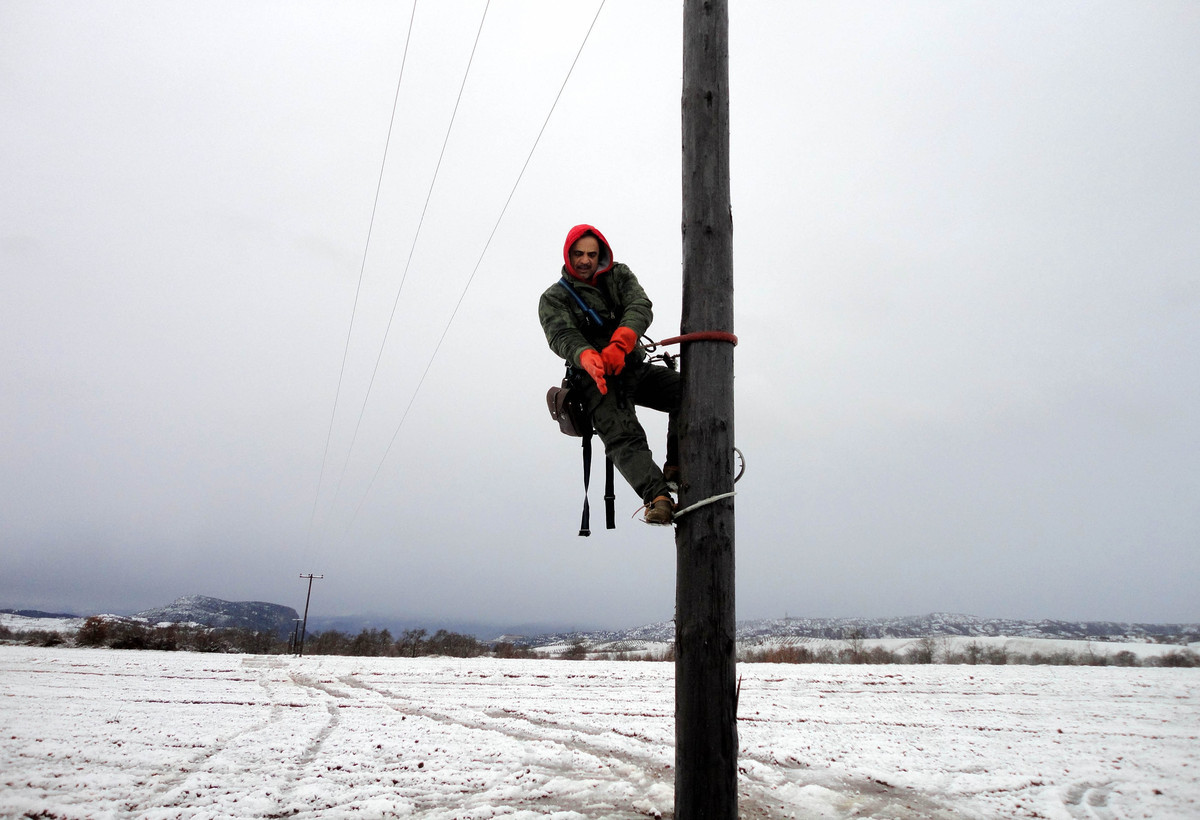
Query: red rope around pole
column 702, row 336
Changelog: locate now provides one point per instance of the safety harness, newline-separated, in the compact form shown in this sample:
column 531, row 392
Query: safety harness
column 592, row 316
column 568, row 408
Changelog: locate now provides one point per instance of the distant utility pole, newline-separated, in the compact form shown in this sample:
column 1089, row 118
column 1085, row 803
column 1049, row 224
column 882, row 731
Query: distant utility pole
column 304, row 623
column 706, row 744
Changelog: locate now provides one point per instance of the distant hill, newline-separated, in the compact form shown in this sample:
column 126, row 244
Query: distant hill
column 35, row 613
column 938, row 624
column 257, row 616
column 260, row 616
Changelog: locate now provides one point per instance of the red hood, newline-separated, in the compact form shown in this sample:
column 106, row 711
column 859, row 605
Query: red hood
column 606, row 256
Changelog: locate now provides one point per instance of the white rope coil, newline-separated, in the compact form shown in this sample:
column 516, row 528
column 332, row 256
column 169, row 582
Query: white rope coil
column 711, row 500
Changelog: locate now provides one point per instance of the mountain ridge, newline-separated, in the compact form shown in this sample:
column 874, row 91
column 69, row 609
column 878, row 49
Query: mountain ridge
column 262, row 616
column 936, row 624
column 258, row 616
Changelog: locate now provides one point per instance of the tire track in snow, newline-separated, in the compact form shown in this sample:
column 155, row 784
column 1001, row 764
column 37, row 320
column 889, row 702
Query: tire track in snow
column 771, row 789
column 617, row 761
column 499, row 722
column 314, row 747
column 161, row 795
column 759, row 787
column 293, row 770
column 192, row 786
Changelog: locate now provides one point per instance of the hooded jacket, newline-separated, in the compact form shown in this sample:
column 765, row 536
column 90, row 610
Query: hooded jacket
column 612, row 294
column 604, row 264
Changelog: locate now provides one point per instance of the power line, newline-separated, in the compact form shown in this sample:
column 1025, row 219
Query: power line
column 408, row 263
column 362, row 268
column 475, row 270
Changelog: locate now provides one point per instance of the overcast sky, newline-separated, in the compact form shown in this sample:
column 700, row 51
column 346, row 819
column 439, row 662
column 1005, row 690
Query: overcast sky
column 967, row 264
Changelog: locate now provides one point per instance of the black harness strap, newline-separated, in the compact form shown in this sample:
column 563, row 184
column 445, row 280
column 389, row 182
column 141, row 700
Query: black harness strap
column 595, row 320
column 610, row 513
column 586, row 522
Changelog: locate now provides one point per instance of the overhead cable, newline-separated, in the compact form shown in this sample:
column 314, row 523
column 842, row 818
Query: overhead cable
column 475, row 270
column 428, row 196
column 362, row 268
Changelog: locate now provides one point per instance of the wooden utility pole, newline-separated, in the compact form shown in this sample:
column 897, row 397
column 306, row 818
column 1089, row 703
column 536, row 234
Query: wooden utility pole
column 307, row 598
column 706, row 745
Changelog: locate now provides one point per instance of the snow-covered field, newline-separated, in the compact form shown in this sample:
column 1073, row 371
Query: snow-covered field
column 21, row 622
column 94, row 733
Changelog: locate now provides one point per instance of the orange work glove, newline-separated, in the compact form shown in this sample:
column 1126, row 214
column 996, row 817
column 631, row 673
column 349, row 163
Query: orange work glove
column 590, row 361
column 622, row 344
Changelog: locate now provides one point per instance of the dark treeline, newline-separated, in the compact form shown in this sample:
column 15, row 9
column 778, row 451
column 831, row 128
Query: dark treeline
column 931, row 650
column 412, row 643
column 126, row 634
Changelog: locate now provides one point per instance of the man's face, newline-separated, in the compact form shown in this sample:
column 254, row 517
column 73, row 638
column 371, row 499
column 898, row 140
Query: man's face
column 585, row 255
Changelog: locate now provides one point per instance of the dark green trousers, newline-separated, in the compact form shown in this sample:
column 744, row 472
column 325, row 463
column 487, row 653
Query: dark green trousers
column 615, row 419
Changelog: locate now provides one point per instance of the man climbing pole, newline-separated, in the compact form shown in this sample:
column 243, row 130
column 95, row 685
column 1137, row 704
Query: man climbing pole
column 593, row 318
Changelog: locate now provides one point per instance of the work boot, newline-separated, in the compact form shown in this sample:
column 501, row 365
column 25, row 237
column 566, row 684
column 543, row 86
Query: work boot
column 671, row 476
column 660, row 511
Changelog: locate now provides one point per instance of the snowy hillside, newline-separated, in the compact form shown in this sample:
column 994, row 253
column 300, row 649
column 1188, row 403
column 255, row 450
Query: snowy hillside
column 656, row 637
column 201, row 609
column 66, row 624
column 932, row 625
column 100, row 733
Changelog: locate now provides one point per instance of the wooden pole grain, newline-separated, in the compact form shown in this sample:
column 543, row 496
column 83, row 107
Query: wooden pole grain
column 706, row 744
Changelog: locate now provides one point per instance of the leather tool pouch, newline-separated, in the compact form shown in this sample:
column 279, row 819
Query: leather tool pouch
column 566, row 407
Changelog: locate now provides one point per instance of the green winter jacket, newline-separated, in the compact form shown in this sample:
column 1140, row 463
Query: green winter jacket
column 616, row 297
column 614, row 294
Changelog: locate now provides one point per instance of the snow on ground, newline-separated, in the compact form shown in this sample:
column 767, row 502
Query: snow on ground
column 95, row 733
column 68, row 625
